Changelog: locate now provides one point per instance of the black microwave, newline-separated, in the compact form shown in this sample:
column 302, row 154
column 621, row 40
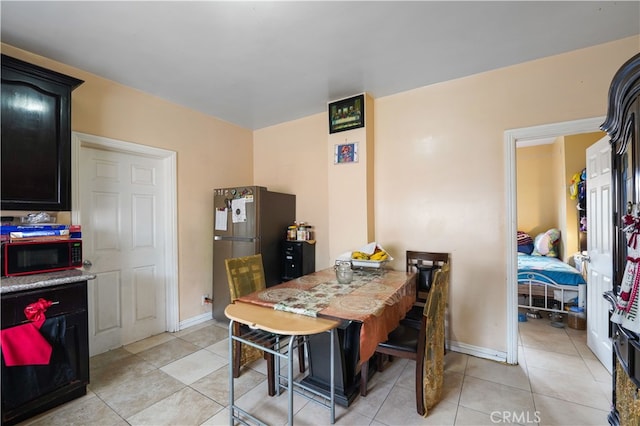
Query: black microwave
column 36, row 257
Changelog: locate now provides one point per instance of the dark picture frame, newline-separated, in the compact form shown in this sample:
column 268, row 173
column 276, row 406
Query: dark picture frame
column 346, row 114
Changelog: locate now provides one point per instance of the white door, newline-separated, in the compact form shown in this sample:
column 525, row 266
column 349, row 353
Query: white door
column 120, row 202
column 599, row 246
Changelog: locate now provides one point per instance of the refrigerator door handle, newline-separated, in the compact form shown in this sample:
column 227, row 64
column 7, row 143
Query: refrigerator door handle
column 243, row 239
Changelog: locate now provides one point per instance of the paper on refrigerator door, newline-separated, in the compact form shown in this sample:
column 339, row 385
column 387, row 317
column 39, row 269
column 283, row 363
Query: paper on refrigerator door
column 221, row 219
column 239, row 210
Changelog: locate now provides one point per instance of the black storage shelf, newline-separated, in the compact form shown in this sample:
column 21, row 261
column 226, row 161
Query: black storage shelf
column 298, row 259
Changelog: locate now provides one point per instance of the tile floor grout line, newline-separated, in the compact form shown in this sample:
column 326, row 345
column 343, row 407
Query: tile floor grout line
column 384, row 410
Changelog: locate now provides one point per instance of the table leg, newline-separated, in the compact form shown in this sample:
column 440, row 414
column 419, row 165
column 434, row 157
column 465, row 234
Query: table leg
column 290, row 379
column 333, row 375
column 347, row 353
column 231, row 373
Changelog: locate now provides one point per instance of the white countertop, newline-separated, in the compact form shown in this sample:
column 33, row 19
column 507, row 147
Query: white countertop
column 49, row 279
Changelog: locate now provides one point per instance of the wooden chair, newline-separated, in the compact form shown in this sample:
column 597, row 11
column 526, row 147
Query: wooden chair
column 425, row 346
column 246, row 275
column 424, row 264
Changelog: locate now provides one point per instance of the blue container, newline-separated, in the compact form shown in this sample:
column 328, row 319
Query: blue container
column 522, row 317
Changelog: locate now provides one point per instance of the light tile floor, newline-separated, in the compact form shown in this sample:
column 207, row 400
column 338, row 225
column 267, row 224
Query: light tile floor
column 182, row 379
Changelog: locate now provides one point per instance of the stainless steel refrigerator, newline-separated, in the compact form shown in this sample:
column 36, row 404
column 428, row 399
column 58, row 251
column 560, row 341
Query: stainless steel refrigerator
column 248, row 220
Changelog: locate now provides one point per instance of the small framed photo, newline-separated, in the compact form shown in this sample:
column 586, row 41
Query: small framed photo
column 346, row 114
column 346, row 153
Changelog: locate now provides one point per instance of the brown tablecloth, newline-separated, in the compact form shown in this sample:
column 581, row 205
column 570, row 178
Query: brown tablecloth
column 378, row 298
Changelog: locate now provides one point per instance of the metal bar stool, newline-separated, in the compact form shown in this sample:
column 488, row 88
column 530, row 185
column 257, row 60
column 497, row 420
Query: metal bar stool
column 282, row 326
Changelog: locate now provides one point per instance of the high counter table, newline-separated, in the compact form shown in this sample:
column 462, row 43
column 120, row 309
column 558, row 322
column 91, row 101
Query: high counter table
column 281, row 324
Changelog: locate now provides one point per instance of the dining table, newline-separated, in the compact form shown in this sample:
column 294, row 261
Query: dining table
column 368, row 308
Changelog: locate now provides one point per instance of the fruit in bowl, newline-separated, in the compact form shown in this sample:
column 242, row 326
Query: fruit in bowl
column 371, row 255
column 378, row 255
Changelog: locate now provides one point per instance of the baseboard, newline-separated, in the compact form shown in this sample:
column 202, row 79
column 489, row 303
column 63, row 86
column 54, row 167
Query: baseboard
column 464, row 348
column 477, row 351
column 199, row 319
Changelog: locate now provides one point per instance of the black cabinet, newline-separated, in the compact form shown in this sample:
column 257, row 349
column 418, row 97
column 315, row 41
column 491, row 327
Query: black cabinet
column 623, row 126
column 298, row 259
column 36, row 137
column 31, row 389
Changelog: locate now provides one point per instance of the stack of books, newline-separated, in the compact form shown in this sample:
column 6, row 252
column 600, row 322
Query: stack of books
column 39, row 232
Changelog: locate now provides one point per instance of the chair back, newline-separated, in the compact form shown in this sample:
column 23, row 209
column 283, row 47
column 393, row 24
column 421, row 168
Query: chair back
column 425, row 258
column 432, row 338
column 245, row 275
column 424, row 263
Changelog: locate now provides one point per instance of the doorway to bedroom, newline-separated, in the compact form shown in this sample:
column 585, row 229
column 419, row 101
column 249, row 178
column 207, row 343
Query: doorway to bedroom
column 541, row 162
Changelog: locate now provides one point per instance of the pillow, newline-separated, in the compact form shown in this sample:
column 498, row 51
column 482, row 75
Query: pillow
column 541, row 245
column 525, row 243
column 524, row 238
column 525, row 248
column 546, row 244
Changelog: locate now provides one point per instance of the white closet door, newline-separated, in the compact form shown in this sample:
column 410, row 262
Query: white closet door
column 599, row 246
column 121, row 229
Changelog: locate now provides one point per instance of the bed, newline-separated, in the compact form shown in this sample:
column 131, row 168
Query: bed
column 548, row 284
column 545, row 282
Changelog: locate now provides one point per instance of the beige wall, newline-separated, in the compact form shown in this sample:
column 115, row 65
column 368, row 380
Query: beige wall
column 439, row 167
column 293, row 160
column 336, row 199
column 536, row 178
column 210, row 153
column 559, row 192
column 575, row 160
column 544, row 174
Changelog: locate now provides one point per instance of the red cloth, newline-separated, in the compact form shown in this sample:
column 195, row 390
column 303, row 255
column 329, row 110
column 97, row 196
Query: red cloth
column 35, row 311
column 23, row 344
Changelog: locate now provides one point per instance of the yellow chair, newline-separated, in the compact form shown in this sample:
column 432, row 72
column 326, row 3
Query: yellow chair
column 246, row 275
column 425, row 346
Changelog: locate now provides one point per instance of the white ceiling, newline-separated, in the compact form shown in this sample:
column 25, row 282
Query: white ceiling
column 256, row 64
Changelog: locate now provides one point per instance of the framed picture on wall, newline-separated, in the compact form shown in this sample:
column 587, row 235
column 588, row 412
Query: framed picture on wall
column 346, row 153
column 346, row 114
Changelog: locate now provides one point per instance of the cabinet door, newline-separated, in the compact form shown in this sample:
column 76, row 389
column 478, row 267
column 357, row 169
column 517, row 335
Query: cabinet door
column 626, row 181
column 31, row 389
column 36, row 137
column 68, row 365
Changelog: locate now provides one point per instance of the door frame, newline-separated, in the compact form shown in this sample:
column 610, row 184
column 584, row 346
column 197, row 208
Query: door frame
column 511, row 137
column 169, row 209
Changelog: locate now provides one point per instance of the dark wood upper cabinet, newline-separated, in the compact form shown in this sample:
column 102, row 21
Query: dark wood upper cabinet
column 623, row 126
column 36, row 137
